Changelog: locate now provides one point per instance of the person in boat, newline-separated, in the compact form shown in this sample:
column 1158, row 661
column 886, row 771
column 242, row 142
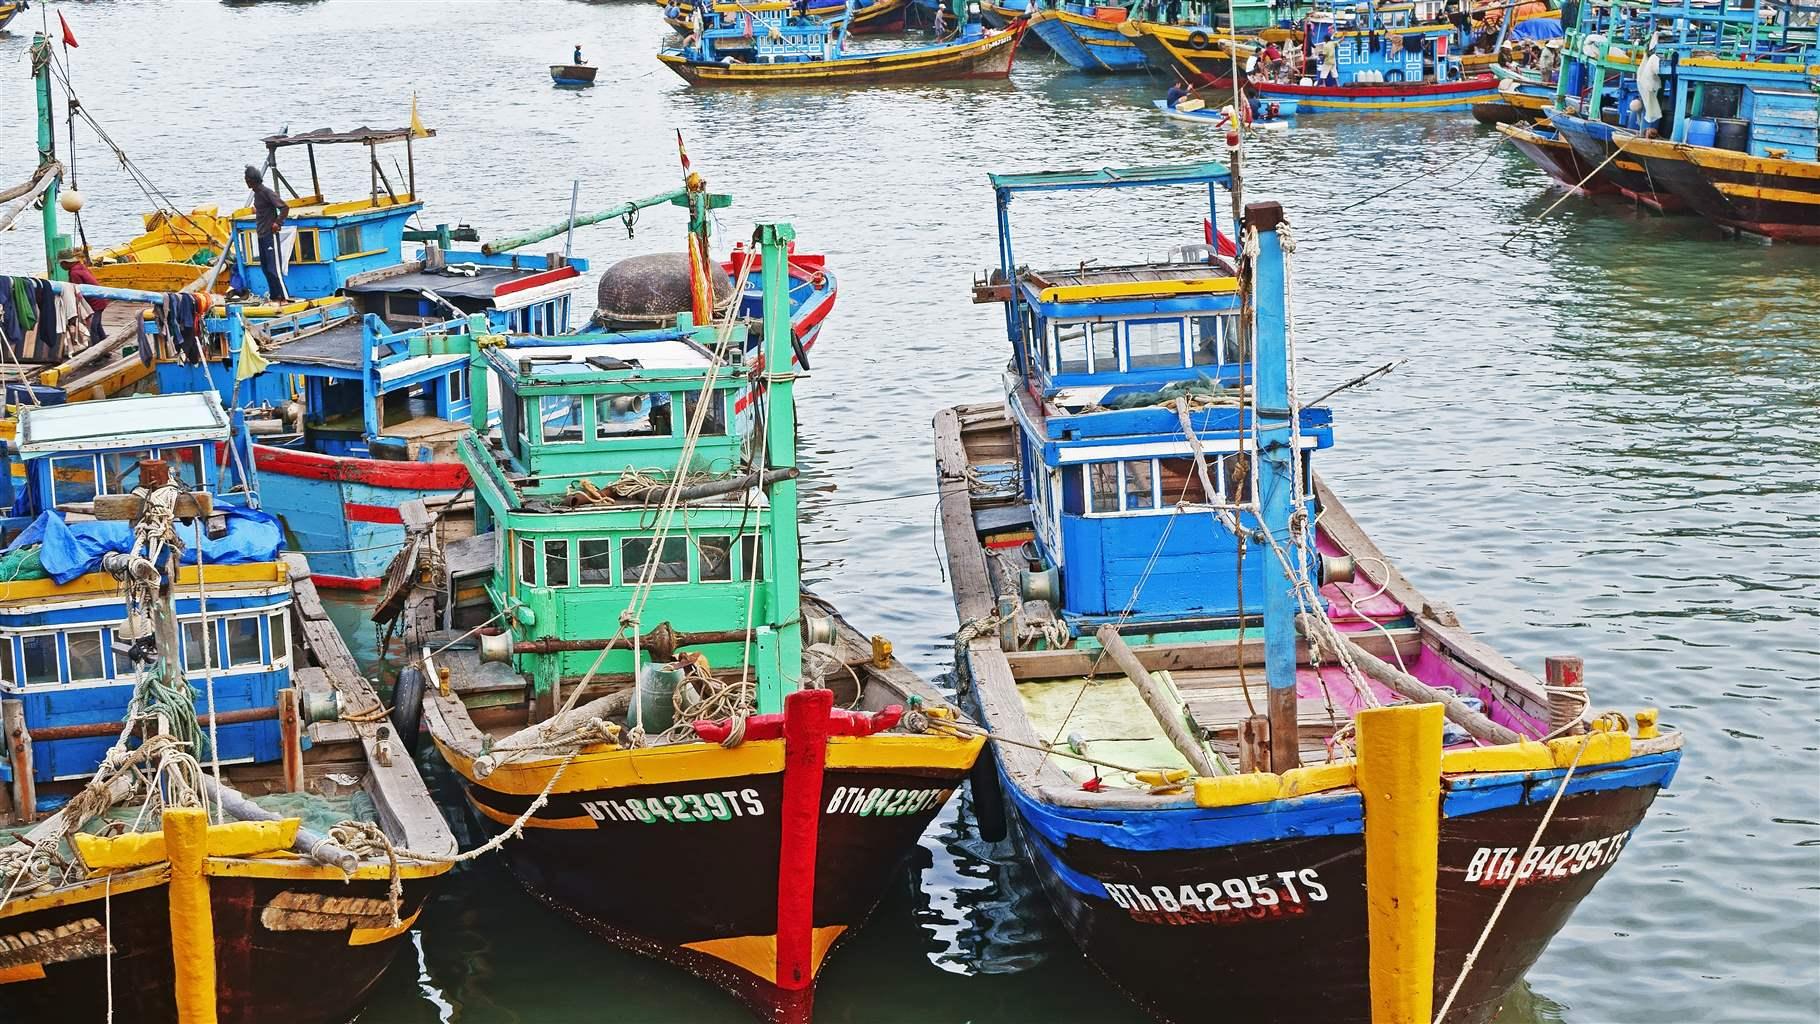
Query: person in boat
column 269, row 213
column 1550, row 62
column 1329, row 71
column 1273, row 61
column 939, row 27
column 1176, row 94
column 1649, row 88
column 578, row 61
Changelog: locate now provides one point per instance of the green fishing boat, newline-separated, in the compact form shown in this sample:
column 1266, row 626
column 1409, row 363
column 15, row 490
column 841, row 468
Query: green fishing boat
column 701, row 762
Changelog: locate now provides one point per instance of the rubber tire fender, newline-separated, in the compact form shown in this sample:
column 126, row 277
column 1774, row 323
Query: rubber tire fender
column 407, row 705
column 1199, row 39
column 988, row 797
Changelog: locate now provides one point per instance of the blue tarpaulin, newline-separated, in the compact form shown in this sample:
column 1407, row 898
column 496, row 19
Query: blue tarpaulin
column 68, row 550
column 1536, row 30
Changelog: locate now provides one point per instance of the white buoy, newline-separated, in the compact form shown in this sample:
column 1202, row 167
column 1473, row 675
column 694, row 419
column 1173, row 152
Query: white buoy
column 70, row 200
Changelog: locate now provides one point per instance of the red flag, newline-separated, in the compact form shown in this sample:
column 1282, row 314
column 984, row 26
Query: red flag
column 682, row 152
column 69, row 38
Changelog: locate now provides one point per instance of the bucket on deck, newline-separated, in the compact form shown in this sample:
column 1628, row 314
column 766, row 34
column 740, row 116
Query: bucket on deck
column 1701, row 131
column 1732, row 133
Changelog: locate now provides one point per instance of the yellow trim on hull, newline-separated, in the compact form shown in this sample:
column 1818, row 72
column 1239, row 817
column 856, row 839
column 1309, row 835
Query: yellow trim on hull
column 95, row 888
column 1738, row 190
column 102, row 583
column 757, row 954
column 903, row 751
column 33, row 971
column 1134, row 289
column 823, row 71
column 582, row 823
column 374, row 936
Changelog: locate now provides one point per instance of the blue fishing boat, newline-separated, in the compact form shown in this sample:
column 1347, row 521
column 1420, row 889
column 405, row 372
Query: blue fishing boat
column 159, row 650
column 1087, row 36
column 1175, row 632
column 769, row 43
column 573, row 75
column 1369, row 57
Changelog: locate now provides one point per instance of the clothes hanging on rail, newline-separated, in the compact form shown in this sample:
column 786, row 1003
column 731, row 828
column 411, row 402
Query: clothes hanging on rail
column 11, row 332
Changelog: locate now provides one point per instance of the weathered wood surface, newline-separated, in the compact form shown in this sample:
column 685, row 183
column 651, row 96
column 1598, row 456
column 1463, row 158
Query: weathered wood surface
column 1168, row 716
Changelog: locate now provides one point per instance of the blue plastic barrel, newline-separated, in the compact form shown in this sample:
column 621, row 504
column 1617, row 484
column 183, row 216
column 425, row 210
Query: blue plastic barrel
column 1700, row 131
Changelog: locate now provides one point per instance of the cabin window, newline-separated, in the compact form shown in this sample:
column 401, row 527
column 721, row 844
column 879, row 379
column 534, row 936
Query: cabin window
column 1209, row 340
column 73, row 479
column 618, row 416
column 596, row 568
column 715, row 425
column 1152, row 344
column 38, row 657
column 279, row 625
column 1103, row 482
column 1236, row 470
column 1070, row 348
column 457, row 386
column 672, row 560
column 1140, row 491
column 120, row 470
column 186, row 465
column 1105, row 345
column 308, row 248
column 555, row 563
column 199, row 645
column 752, row 557
column 715, row 557
column 87, row 662
column 6, row 663
column 511, row 424
column 347, row 241
column 561, row 418
column 1031, row 337
column 1073, row 500
column 527, row 561
column 1181, row 482
column 242, row 641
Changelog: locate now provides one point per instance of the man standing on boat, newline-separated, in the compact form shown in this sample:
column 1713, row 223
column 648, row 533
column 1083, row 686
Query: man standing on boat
column 269, row 213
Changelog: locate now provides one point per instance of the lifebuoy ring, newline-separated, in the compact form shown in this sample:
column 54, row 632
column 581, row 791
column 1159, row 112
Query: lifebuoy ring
column 1198, row 39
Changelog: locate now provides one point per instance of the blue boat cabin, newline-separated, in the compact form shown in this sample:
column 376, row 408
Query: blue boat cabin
column 62, row 654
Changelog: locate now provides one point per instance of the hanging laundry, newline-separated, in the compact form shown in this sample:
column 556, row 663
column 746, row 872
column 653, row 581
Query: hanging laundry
column 50, row 323
column 25, row 297
column 11, row 333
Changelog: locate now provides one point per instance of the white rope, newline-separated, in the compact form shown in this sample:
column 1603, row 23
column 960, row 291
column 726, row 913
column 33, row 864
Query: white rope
column 208, row 670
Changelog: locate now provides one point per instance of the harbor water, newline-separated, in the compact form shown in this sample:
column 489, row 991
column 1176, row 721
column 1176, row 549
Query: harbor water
column 1600, row 439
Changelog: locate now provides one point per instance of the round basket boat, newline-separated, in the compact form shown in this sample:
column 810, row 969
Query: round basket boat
column 643, row 292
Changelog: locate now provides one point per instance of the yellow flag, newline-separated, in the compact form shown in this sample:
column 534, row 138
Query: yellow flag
column 418, row 131
column 252, row 361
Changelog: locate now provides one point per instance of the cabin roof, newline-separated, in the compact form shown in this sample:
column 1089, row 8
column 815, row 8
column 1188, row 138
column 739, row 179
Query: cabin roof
column 329, row 136
column 454, row 283
column 549, row 361
column 119, row 423
column 1208, row 173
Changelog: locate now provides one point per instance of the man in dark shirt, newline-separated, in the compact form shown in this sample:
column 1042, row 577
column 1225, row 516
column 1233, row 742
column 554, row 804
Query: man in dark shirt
column 269, row 213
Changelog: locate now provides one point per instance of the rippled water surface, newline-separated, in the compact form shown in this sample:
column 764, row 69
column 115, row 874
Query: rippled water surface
column 1602, row 441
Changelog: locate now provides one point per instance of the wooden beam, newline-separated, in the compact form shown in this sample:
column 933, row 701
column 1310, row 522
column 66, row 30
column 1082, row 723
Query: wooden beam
column 1474, row 722
column 290, row 733
column 1195, row 655
column 19, row 752
column 190, row 505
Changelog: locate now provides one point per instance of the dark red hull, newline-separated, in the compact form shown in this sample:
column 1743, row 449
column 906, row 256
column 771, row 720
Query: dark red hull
column 271, row 964
column 1553, row 154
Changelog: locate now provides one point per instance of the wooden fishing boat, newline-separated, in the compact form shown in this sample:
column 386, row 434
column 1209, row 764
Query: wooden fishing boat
column 673, row 709
column 1547, row 150
column 9, row 11
column 1606, row 148
column 573, row 74
column 874, row 16
column 1517, row 101
column 765, row 44
column 1382, row 59
column 1171, row 627
column 225, row 682
column 1201, row 55
column 1001, row 13
column 1770, row 197
column 173, row 252
column 1087, row 36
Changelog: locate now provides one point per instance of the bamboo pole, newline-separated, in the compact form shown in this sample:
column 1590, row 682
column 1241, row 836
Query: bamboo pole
column 1170, row 718
column 1399, row 779
column 1475, row 723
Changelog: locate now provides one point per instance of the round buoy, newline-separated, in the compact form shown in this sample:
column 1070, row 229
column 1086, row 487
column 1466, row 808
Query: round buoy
column 70, row 200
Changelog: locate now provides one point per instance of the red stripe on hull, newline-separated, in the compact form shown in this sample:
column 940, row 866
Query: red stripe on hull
column 1476, row 83
column 358, row 513
column 412, row 476
column 347, row 582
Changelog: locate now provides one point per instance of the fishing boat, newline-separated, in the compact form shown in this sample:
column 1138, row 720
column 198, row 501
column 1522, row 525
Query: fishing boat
column 768, row 44
column 1521, row 97
column 650, row 687
column 1172, row 630
column 1201, row 54
column 873, row 16
column 9, row 11
column 1087, row 36
column 573, row 74
column 173, row 252
column 1194, row 111
column 1736, row 139
column 152, row 633
column 1392, row 57
column 1546, row 149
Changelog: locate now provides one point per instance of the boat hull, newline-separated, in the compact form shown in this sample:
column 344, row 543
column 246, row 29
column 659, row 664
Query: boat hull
column 990, row 57
column 1423, row 97
column 1597, row 146
column 674, row 819
column 1125, row 884
column 1086, row 43
column 1195, row 53
column 1002, row 15
column 344, row 511
column 260, row 949
column 1549, row 151
column 573, row 74
column 1777, row 199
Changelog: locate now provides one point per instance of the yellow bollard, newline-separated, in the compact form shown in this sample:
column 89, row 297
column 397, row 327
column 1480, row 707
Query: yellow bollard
column 186, row 837
column 1399, row 777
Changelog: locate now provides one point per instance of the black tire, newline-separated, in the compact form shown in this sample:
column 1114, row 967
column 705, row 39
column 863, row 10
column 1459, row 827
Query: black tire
column 407, row 706
column 988, row 798
column 1198, row 39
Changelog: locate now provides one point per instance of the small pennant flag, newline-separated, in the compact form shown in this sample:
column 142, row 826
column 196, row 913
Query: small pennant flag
column 680, row 151
column 252, row 361
column 69, row 38
column 418, row 131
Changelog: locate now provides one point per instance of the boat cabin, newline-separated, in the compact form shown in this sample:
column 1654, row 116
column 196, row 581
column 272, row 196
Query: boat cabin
column 592, row 427
column 63, row 634
column 1125, row 508
column 1378, row 44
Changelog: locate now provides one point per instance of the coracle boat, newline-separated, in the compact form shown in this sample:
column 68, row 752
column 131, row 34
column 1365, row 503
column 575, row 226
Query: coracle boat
column 768, row 44
column 1174, row 633
column 679, row 708
column 573, row 75
column 1384, row 59
column 218, row 689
